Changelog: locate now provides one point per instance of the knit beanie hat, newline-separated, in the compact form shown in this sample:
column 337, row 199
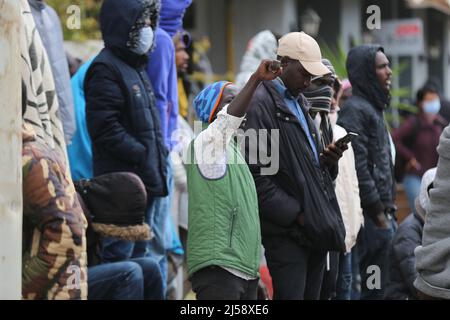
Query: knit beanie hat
column 206, row 102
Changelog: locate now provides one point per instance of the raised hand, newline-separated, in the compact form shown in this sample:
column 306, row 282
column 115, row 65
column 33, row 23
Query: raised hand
column 268, row 70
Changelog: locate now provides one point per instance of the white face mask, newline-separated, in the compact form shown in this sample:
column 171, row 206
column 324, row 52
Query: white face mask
column 432, row 107
column 145, row 41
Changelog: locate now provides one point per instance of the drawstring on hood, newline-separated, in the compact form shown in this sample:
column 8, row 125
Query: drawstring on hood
column 362, row 75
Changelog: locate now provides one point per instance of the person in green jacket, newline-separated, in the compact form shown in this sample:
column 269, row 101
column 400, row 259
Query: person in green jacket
column 224, row 239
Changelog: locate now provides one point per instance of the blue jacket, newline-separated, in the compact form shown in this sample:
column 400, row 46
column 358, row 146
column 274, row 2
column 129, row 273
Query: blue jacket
column 121, row 116
column 80, row 150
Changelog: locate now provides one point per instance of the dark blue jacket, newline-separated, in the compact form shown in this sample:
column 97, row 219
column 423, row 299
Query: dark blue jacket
column 401, row 260
column 121, row 116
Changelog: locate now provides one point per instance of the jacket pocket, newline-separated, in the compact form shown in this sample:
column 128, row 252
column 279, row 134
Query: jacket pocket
column 233, row 215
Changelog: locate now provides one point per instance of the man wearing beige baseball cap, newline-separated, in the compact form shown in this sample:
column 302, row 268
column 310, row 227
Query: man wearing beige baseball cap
column 299, row 213
column 302, row 47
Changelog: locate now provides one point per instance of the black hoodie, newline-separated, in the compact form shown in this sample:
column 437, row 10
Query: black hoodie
column 362, row 75
column 121, row 114
column 117, row 18
column 363, row 114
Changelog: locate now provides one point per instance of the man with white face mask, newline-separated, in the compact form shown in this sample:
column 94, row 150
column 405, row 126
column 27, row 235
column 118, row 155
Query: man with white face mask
column 121, row 115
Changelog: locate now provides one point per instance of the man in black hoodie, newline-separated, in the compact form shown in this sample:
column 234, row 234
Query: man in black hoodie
column 369, row 73
column 122, row 120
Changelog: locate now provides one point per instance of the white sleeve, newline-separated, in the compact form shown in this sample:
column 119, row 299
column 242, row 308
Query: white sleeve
column 211, row 144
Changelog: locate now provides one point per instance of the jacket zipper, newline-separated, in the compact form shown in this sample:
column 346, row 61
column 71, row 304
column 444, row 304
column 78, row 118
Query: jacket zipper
column 233, row 218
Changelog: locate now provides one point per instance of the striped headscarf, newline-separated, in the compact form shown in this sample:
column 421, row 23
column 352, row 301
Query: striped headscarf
column 320, row 92
column 206, row 102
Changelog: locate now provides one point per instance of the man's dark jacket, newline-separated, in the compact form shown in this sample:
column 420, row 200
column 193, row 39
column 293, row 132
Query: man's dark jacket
column 363, row 114
column 121, row 115
column 300, row 185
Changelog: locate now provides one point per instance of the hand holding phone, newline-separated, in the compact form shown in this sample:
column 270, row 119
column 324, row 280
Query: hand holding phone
column 346, row 139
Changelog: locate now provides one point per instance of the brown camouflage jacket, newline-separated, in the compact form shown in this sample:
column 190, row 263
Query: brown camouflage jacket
column 54, row 242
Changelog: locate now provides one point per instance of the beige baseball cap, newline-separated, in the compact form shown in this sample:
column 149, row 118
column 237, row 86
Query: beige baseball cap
column 302, row 47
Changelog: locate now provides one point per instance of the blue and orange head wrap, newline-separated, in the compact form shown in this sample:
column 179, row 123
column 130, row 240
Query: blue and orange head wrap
column 206, row 102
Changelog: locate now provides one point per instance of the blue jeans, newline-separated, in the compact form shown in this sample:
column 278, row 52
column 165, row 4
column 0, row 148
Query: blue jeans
column 128, row 280
column 373, row 244
column 344, row 282
column 411, row 183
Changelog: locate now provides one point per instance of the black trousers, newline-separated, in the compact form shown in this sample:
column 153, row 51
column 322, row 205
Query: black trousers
column 215, row 283
column 297, row 271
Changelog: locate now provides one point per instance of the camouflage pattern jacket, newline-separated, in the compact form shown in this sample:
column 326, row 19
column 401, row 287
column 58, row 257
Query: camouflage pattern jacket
column 54, row 241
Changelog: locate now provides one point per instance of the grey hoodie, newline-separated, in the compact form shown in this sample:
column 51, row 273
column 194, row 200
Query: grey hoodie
column 433, row 257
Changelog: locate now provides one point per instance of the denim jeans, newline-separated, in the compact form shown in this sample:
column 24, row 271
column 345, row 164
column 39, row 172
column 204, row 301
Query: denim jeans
column 373, row 244
column 344, row 281
column 159, row 217
column 411, row 183
column 128, row 280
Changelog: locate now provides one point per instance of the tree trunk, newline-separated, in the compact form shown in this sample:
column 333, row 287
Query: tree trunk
column 10, row 152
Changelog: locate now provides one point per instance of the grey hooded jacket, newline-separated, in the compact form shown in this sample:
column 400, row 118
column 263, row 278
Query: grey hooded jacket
column 49, row 27
column 433, row 257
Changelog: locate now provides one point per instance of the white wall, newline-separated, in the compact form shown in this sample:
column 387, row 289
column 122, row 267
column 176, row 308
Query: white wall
column 10, row 153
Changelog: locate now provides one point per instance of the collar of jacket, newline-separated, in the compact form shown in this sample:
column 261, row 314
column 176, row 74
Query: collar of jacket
column 304, row 105
column 279, row 100
column 129, row 57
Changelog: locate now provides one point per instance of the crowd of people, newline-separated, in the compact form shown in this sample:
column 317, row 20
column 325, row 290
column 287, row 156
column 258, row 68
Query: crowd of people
column 290, row 169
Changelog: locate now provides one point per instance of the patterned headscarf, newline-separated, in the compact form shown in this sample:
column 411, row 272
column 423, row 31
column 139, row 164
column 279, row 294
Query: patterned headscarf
column 206, row 102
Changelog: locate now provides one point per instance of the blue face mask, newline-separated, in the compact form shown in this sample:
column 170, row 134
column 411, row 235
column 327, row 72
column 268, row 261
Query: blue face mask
column 432, row 107
column 145, row 41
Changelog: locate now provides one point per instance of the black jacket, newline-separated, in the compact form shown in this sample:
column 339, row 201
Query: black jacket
column 299, row 185
column 363, row 114
column 401, row 259
column 121, row 114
